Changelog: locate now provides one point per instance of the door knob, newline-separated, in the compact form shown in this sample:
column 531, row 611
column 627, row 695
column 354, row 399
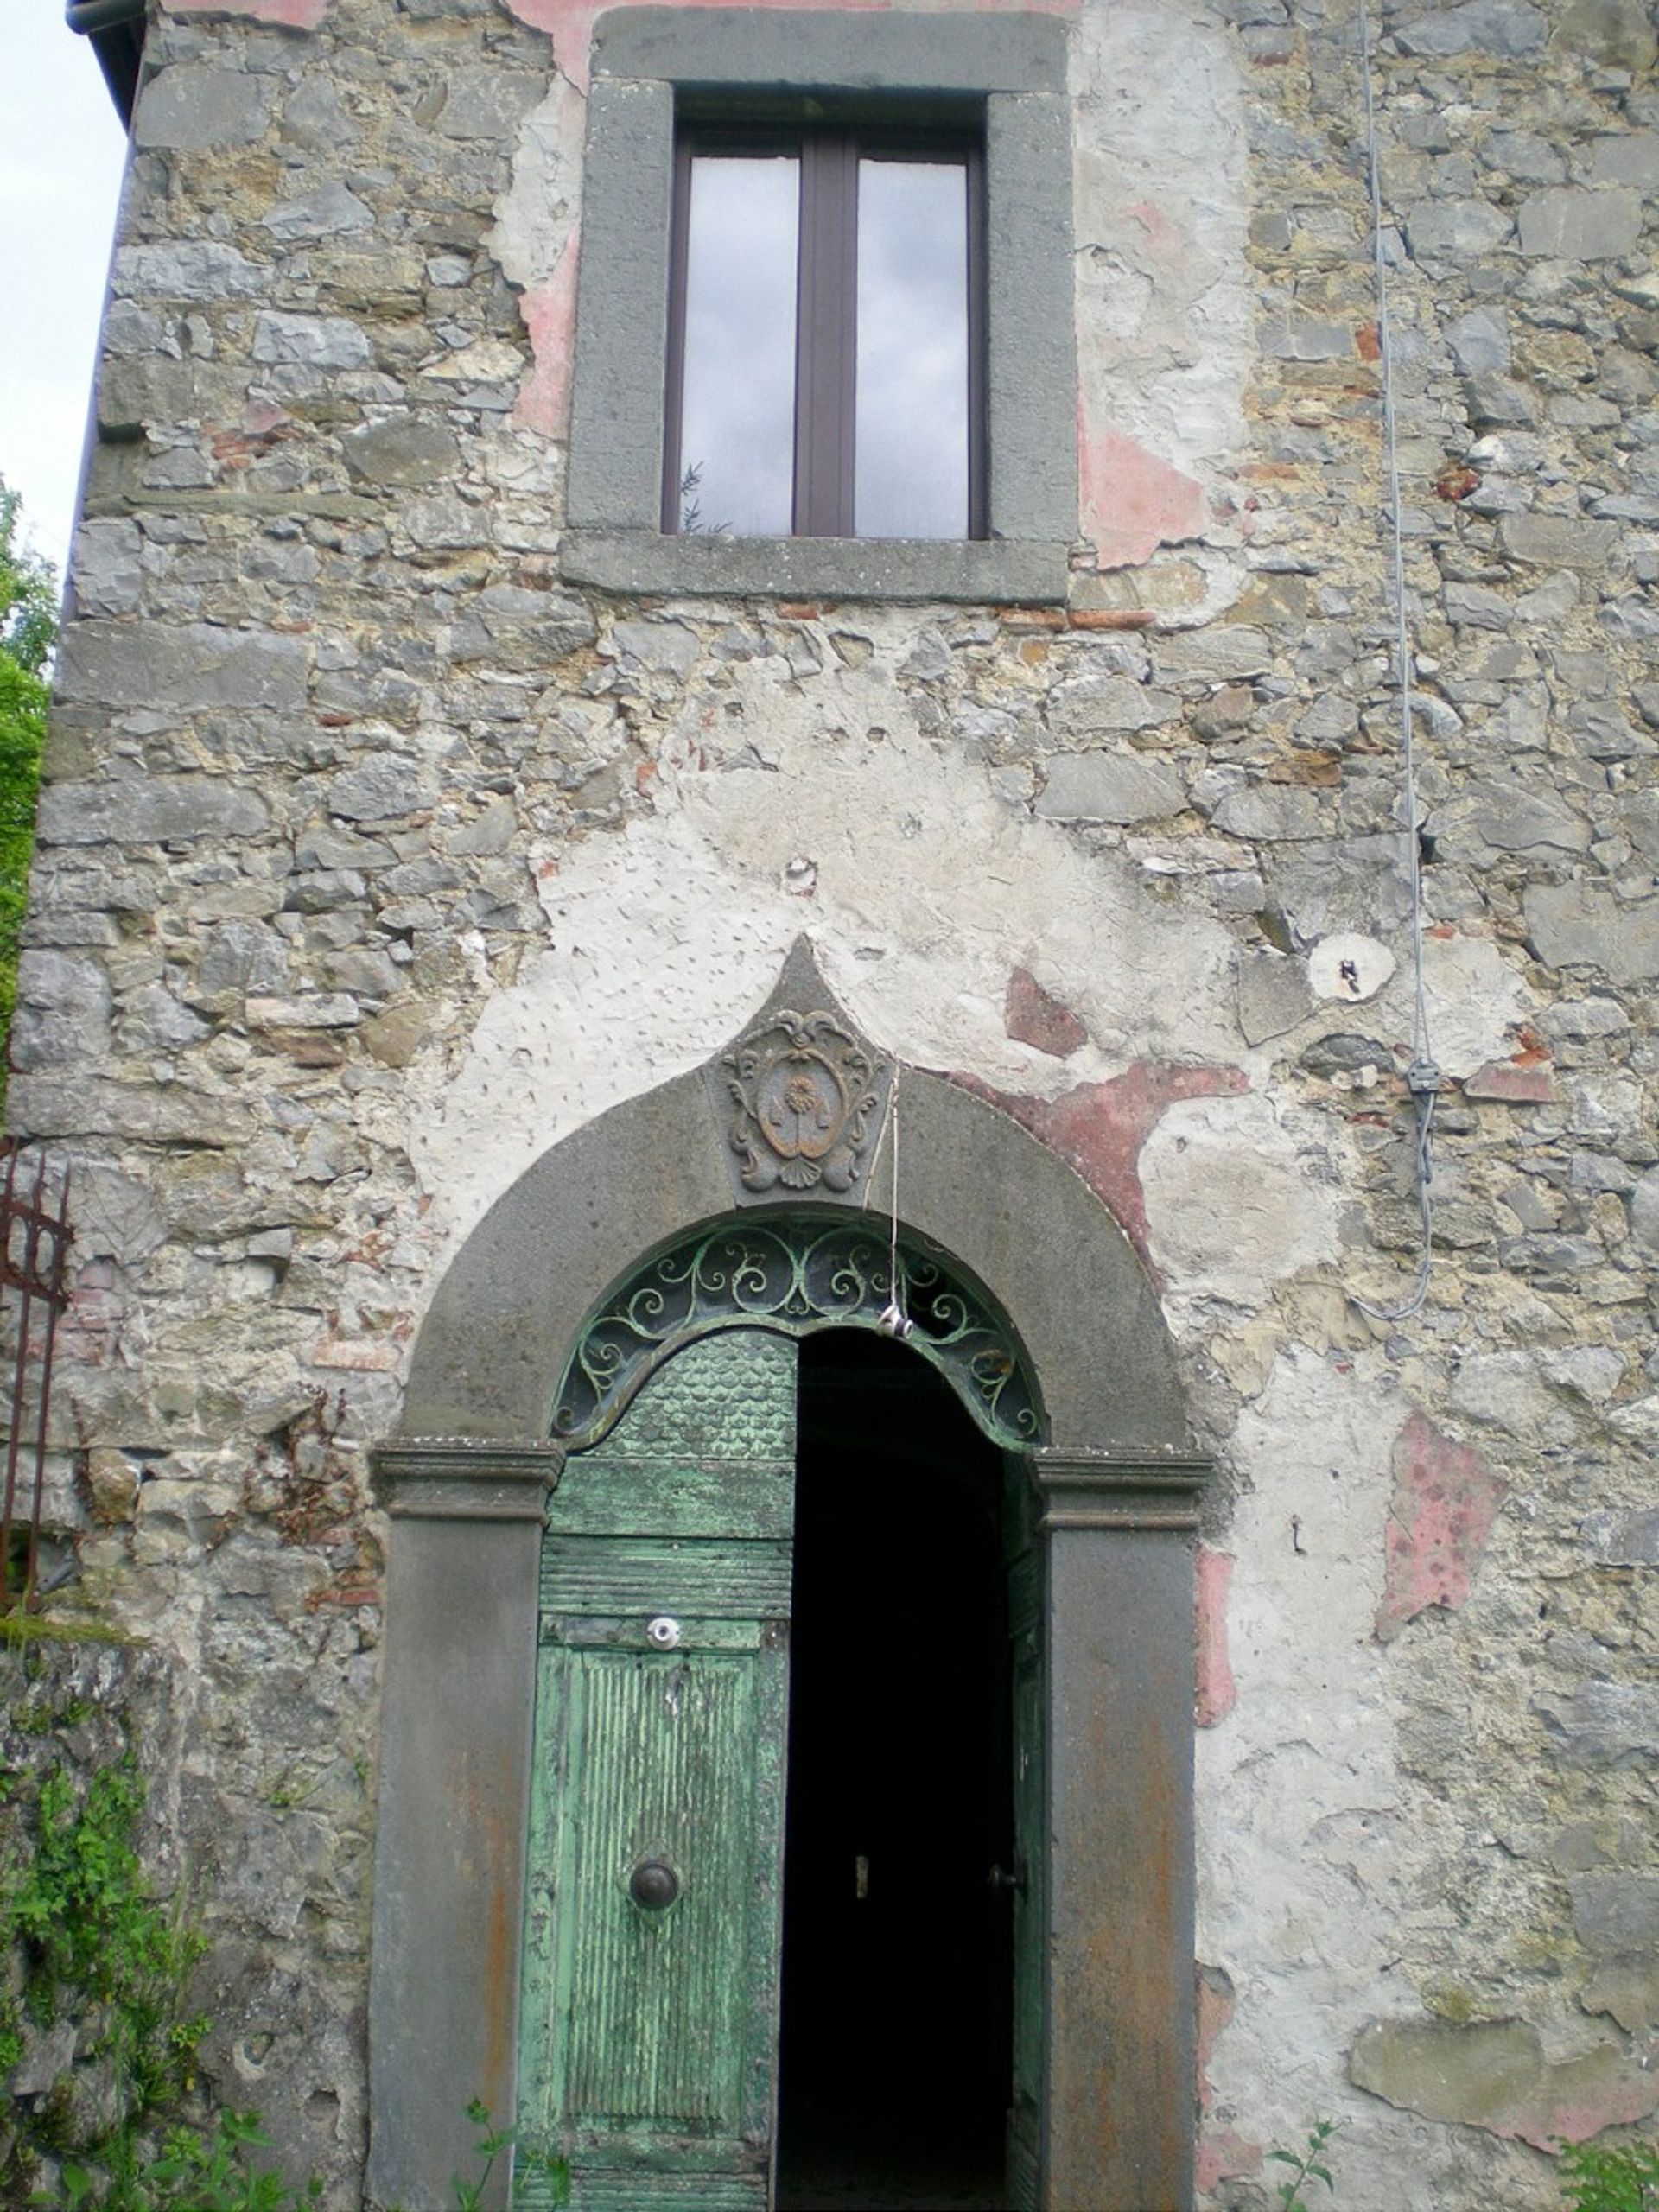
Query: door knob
column 653, row 1885
column 1019, row 1880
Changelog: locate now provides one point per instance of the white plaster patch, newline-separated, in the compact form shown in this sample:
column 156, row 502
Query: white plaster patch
column 1309, row 1840
column 928, row 890
column 1349, row 967
column 1240, row 1193
column 642, row 975
column 537, row 219
column 1475, row 1002
column 1162, row 195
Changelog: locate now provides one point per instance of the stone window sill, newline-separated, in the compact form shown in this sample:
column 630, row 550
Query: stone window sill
column 1026, row 572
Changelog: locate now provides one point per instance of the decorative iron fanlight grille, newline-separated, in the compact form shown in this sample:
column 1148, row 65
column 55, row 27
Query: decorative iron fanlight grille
column 797, row 1278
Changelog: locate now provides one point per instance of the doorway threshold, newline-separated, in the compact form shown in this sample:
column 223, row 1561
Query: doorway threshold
column 832, row 2188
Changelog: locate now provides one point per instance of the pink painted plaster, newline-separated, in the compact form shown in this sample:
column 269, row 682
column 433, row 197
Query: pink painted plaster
column 569, row 23
column 1221, row 2150
column 550, row 309
column 1164, row 237
column 1218, row 1693
column 1445, row 1498
column 1511, row 1083
column 1216, row 2004
column 1132, row 503
column 287, row 15
column 1099, row 1129
column 1574, row 2100
column 550, row 313
column 1566, row 2117
column 1032, row 1016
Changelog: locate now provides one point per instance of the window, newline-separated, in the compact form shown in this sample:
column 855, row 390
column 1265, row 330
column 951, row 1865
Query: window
column 862, row 290
column 824, row 307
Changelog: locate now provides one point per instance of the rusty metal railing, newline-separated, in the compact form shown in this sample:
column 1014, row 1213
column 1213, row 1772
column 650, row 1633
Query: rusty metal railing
column 34, row 1249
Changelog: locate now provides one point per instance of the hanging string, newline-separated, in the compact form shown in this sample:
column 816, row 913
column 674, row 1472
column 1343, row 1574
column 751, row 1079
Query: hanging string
column 1422, row 1077
column 893, row 1320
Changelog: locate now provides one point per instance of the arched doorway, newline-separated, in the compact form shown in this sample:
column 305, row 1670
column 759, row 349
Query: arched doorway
column 734, row 1618
column 467, row 1480
column 903, row 1876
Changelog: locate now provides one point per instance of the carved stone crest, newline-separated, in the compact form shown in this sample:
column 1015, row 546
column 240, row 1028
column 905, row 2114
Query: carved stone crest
column 803, row 1091
column 802, row 1087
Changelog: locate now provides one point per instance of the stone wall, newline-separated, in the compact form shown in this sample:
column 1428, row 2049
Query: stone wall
column 375, row 857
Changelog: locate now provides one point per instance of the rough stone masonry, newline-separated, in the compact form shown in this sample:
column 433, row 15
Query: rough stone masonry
column 375, row 856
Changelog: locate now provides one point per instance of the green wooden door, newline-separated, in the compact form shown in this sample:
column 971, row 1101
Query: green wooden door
column 649, row 2001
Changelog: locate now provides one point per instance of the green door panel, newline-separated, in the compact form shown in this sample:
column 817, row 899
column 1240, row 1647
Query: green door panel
column 648, row 2040
column 717, row 1579
column 622, row 2192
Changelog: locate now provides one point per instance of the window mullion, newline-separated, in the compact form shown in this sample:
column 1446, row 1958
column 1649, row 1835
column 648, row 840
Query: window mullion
column 674, row 398
column 827, row 337
column 978, row 409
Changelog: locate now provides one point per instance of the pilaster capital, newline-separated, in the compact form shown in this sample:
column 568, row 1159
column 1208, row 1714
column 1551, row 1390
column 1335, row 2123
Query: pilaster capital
column 467, row 1478
column 1081, row 1488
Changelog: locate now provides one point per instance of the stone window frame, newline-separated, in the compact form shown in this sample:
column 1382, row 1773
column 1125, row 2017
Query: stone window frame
column 644, row 59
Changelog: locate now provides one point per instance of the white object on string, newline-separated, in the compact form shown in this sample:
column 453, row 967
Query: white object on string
column 893, row 1320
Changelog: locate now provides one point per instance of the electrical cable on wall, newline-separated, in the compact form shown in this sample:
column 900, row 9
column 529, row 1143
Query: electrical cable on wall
column 1423, row 1075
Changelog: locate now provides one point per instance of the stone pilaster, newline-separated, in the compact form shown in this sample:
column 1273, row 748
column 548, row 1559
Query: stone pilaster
column 459, row 1704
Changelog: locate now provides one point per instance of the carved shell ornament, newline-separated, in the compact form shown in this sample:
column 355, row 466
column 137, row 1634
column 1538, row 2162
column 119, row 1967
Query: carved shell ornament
column 804, row 1089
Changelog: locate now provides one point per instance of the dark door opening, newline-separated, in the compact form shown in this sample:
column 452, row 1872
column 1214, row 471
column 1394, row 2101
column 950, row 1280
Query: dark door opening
column 897, row 2009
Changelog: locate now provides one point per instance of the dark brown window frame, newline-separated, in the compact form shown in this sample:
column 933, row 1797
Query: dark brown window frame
column 828, row 148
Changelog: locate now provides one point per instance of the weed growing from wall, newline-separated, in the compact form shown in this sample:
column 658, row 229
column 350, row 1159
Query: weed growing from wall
column 103, row 1962
column 195, row 2172
column 1306, row 2166
column 1611, row 2178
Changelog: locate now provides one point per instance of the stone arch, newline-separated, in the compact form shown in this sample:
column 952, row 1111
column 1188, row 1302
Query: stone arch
column 974, row 1186
column 465, row 1479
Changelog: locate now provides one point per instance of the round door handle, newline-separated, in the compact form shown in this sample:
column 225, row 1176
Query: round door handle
column 653, row 1885
column 1000, row 1878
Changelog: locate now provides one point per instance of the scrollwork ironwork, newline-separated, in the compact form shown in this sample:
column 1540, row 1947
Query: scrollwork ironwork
column 798, row 1277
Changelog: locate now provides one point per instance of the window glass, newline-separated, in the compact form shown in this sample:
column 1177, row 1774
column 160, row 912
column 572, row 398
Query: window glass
column 737, row 422
column 910, row 444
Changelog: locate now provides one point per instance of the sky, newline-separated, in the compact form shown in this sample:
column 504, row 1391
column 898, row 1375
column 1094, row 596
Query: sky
column 61, row 153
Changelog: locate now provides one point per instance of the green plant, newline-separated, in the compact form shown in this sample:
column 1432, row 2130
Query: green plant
column 469, row 2194
column 1611, row 2177
column 28, row 629
column 1307, row 2166
column 212, row 2172
column 93, row 1931
column 195, row 2172
column 100, row 1950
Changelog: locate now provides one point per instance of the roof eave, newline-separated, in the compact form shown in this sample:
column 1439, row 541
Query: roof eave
column 116, row 28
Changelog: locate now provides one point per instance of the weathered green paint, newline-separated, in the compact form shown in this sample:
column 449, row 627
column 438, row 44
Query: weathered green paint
column 648, row 2041
column 647, row 2069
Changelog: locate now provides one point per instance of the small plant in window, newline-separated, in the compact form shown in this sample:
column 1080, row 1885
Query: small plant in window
column 691, row 522
column 1305, row 2166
